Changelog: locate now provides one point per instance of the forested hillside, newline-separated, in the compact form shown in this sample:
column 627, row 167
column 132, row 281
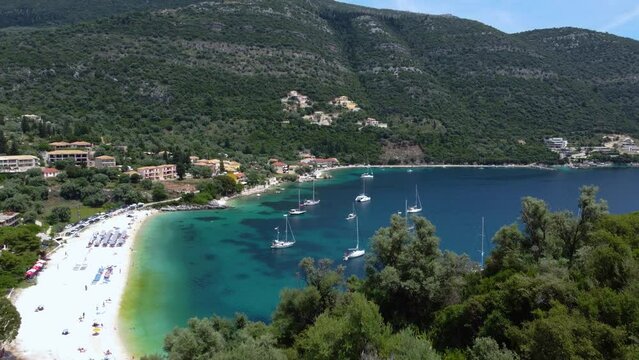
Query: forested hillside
column 210, row 76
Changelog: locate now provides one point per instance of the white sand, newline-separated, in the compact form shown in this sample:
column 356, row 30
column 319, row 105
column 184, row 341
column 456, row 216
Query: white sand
column 61, row 290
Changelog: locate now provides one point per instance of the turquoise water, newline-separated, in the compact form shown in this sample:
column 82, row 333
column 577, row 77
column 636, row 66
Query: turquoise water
column 219, row 262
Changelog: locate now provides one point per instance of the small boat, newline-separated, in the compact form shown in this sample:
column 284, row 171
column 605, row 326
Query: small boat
column 418, row 204
column 356, row 251
column 313, row 201
column 410, row 170
column 368, row 174
column 282, row 244
column 363, row 197
column 298, row 210
column 352, row 215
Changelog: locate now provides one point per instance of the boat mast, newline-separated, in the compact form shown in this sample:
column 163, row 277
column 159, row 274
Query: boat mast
column 286, row 229
column 406, row 211
column 313, row 190
column 357, row 233
column 482, row 242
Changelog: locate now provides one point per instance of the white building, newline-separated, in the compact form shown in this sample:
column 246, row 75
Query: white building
column 17, row 163
column 556, row 143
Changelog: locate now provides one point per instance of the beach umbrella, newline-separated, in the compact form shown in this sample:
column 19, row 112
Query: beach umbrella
column 38, row 266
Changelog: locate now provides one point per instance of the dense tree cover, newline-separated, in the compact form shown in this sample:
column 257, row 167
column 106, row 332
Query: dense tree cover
column 22, row 246
column 202, row 79
column 26, row 193
column 557, row 285
column 46, row 13
column 9, row 322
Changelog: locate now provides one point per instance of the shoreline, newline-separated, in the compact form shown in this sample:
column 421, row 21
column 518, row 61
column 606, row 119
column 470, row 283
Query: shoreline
column 73, row 301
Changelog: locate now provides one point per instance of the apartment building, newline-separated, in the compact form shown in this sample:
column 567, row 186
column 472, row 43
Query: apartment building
column 9, row 218
column 17, row 163
column 79, row 157
column 161, row 172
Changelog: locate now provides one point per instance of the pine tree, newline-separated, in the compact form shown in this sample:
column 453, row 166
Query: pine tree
column 14, row 148
column 24, row 124
column 3, row 143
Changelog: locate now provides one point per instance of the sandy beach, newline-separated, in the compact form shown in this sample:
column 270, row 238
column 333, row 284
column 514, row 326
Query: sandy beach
column 72, row 300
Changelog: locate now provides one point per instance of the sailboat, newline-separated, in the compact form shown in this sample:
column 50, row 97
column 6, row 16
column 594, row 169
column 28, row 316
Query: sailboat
column 281, row 244
column 356, row 251
column 363, row 197
column 298, row 210
column 368, row 174
column 418, row 203
column 311, row 202
column 482, row 244
column 352, row 215
column 406, row 212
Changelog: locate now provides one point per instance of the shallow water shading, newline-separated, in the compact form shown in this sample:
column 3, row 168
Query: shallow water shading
column 219, row 262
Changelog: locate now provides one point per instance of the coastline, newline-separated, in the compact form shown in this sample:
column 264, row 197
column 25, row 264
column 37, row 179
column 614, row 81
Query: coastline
column 72, row 301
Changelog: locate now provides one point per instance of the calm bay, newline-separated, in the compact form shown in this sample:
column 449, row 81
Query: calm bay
column 219, row 262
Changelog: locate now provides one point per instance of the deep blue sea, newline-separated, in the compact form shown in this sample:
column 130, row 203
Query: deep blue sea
column 219, row 262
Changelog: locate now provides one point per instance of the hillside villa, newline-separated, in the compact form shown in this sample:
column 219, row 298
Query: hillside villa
column 9, row 218
column 104, row 162
column 17, row 163
column 78, row 157
column 160, row 172
column 48, row 172
column 61, row 145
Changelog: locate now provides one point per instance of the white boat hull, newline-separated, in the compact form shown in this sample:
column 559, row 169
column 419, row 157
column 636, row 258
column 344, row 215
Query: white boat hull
column 351, row 216
column 310, row 202
column 362, row 198
column 354, row 254
column 281, row 244
column 296, row 212
column 412, row 210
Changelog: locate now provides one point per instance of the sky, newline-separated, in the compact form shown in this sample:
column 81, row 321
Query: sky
column 619, row 17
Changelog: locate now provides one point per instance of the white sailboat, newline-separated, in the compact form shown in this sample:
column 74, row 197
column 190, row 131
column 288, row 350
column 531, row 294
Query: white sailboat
column 363, row 197
column 356, row 251
column 368, row 174
column 482, row 243
column 281, row 244
column 352, row 215
column 406, row 212
column 311, row 202
column 298, row 210
column 418, row 203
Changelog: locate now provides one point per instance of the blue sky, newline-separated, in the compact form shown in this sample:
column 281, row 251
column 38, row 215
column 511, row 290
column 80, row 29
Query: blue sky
column 619, row 17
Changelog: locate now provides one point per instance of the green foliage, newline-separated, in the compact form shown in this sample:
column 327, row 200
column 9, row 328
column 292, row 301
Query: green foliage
column 9, row 321
column 159, row 193
column 217, row 339
column 486, row 348
column 458, row 90
column 126, row 194
column 201, row 172
column 60, row 214
column 23, row 246
column 556, row 286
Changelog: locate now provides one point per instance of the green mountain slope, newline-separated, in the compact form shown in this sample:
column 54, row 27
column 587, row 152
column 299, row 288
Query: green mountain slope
column 58, row 12
column 210, row 76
